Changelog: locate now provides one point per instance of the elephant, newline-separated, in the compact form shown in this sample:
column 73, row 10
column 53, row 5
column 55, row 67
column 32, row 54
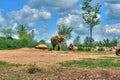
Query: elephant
column 57, row 40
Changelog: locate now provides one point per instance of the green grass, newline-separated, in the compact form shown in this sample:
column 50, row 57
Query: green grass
column 94, row 52
column 8, row 65
column 16, row 76
column 104, row 63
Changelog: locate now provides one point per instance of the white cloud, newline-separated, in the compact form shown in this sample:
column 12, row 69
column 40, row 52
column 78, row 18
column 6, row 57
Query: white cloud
column 113, row 8
column 113, row 29
column 112, row 1
column 58, row 5
column 71, row 21
column 28, row 15
column 1, row 18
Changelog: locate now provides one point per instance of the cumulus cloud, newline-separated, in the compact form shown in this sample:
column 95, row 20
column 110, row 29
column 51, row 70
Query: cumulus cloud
column 71, row 20
column 112, row 1
column 113, row 8
column 77, row 23
column 1, row 18
column 58, row 5
column 113, row 29
column 28, row 15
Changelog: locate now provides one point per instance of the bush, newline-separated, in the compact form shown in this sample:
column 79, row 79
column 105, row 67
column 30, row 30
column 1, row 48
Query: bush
column 100, row 49
column 50, row 48
column 15, row 43
column 63, row 47
column 84, row 48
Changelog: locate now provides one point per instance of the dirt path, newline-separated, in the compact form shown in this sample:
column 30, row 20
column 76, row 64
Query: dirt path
column 31, row 56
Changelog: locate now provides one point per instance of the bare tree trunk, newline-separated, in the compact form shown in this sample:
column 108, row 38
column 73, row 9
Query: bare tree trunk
column 91, row 36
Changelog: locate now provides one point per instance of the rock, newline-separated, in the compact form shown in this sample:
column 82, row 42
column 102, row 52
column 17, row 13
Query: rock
column 41, row 46
column 72, row 47
column 75, row 48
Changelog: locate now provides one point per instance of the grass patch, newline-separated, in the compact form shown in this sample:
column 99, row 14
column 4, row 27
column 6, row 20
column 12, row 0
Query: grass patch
column 104, row 63
column 7, row 65
column 93, row 52
column 16, row 76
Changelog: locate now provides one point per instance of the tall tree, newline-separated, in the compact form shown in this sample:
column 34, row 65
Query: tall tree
column 77, row 40
column 22, row 32
column 8, row 33
column 91, row 15
column 31, row 35
column 65, row 30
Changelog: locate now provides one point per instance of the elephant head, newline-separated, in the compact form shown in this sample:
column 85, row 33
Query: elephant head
column 57, row 40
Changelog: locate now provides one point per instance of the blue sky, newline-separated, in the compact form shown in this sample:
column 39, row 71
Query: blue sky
column 44, row 15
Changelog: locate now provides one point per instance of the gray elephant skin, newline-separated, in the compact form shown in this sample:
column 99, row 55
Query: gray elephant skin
column 57, row 40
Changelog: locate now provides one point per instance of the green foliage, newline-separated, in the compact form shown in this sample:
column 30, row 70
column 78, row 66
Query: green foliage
column 87, row 41
column 14, row 44
column 65, row 30
column 107, row 43
column 63, row 47
column 8, row 65
column 91, row 16
column 76, row 41
column 91, row 13
column 56, row 47
column 16, row 76
column 100, row 49
column 105, row 63
column 22, row 32
column 7, row 33
column 80, row 48
column 50, row 48
column 42, row 42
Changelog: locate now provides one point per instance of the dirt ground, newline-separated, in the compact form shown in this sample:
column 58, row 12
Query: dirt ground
column 41, row 57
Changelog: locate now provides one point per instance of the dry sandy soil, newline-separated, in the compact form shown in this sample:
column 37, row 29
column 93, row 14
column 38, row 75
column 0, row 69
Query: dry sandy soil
column 41, row 57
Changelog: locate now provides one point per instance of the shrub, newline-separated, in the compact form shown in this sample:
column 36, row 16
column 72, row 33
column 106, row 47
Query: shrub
column 15, row 43
column 50, row 48
column 84, row 48
column 63, row 47
column 100, row 49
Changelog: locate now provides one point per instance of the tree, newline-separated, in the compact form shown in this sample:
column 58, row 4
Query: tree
column 87, row 40
column 91, row 15
column 76, row 40
column 42, row 42
column 8, row 33
column 114, row 42
column 22, row 32
column 32, row 35
column 65, row 30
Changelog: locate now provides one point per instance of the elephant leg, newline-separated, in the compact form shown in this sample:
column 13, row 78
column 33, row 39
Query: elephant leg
column 53, row 47
column 59, row 47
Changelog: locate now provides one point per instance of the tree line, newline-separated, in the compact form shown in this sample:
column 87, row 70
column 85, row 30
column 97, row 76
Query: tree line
column 25, row 39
